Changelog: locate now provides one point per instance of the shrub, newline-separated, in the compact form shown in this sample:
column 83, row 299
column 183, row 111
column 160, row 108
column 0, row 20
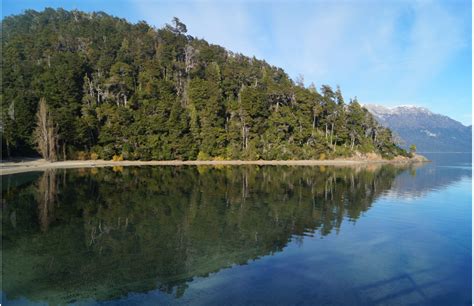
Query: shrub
column 203, row 156
column 107, row 152
column 366, row 147
column 117, row 157
column 142, row 153
column 82, row 155
column 94, row 156
column 343, row 152
column 233, row 151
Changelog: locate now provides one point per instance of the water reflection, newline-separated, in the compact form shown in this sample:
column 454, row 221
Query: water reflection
column 101, row 233
column 431, row 177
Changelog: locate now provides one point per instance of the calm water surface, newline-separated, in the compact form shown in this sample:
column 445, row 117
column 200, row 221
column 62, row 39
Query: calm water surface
column 270, row 235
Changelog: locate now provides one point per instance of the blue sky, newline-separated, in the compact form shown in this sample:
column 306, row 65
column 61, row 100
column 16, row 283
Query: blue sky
column 392, row 52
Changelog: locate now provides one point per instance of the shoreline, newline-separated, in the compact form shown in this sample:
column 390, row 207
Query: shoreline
column 10, row 167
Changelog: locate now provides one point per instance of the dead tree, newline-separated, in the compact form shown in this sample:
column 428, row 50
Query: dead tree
column 46, row 134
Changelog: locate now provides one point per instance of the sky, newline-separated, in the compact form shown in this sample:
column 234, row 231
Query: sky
column 392, row 52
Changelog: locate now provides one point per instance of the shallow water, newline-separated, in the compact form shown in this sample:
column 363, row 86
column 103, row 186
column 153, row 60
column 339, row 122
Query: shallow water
column 233, row 235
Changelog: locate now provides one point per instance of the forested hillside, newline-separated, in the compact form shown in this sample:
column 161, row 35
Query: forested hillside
column 115, row 88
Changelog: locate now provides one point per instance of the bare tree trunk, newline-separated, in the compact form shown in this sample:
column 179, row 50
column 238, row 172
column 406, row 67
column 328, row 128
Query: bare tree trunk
column 246, row 137
column 243, row 137
column 52, row 143
column 332, row 132
column 42, row 129
column 46, row 133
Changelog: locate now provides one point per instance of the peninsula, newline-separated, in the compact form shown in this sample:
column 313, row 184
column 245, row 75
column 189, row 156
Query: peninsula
column 80, row 86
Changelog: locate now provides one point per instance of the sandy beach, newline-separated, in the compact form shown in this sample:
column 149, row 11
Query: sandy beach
column 11, row 167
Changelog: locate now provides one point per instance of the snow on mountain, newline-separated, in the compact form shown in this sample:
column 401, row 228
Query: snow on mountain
column 431, row 132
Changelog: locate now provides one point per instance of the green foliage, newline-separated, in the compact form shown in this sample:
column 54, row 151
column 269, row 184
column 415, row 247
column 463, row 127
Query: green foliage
column 116, row 88
column 203, row 156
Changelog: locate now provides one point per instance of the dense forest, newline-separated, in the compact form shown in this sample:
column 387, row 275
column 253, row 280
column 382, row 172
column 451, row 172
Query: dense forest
column 88, row 85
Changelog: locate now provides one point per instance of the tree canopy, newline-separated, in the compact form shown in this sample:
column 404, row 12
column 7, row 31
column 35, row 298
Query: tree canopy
column 116, row 88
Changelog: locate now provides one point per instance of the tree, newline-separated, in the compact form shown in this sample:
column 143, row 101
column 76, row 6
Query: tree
column 355, row 123
column 300, row 80
column 178, row 27
column 413, row 148
column 46, row 133
column 120, row 83
column 114, row 87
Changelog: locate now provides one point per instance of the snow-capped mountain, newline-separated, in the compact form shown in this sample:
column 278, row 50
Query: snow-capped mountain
column 418, row 125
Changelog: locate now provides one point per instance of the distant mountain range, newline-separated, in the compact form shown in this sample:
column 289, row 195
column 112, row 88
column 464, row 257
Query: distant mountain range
column 430, row 132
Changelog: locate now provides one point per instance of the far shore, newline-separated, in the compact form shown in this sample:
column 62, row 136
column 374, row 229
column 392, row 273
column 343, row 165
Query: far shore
column 12, row 167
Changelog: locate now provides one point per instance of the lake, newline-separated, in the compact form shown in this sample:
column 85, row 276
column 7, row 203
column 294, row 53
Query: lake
column 235, row 235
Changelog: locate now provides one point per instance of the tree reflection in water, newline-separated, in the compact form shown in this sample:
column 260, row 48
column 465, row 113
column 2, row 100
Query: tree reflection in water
column 71, row 235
